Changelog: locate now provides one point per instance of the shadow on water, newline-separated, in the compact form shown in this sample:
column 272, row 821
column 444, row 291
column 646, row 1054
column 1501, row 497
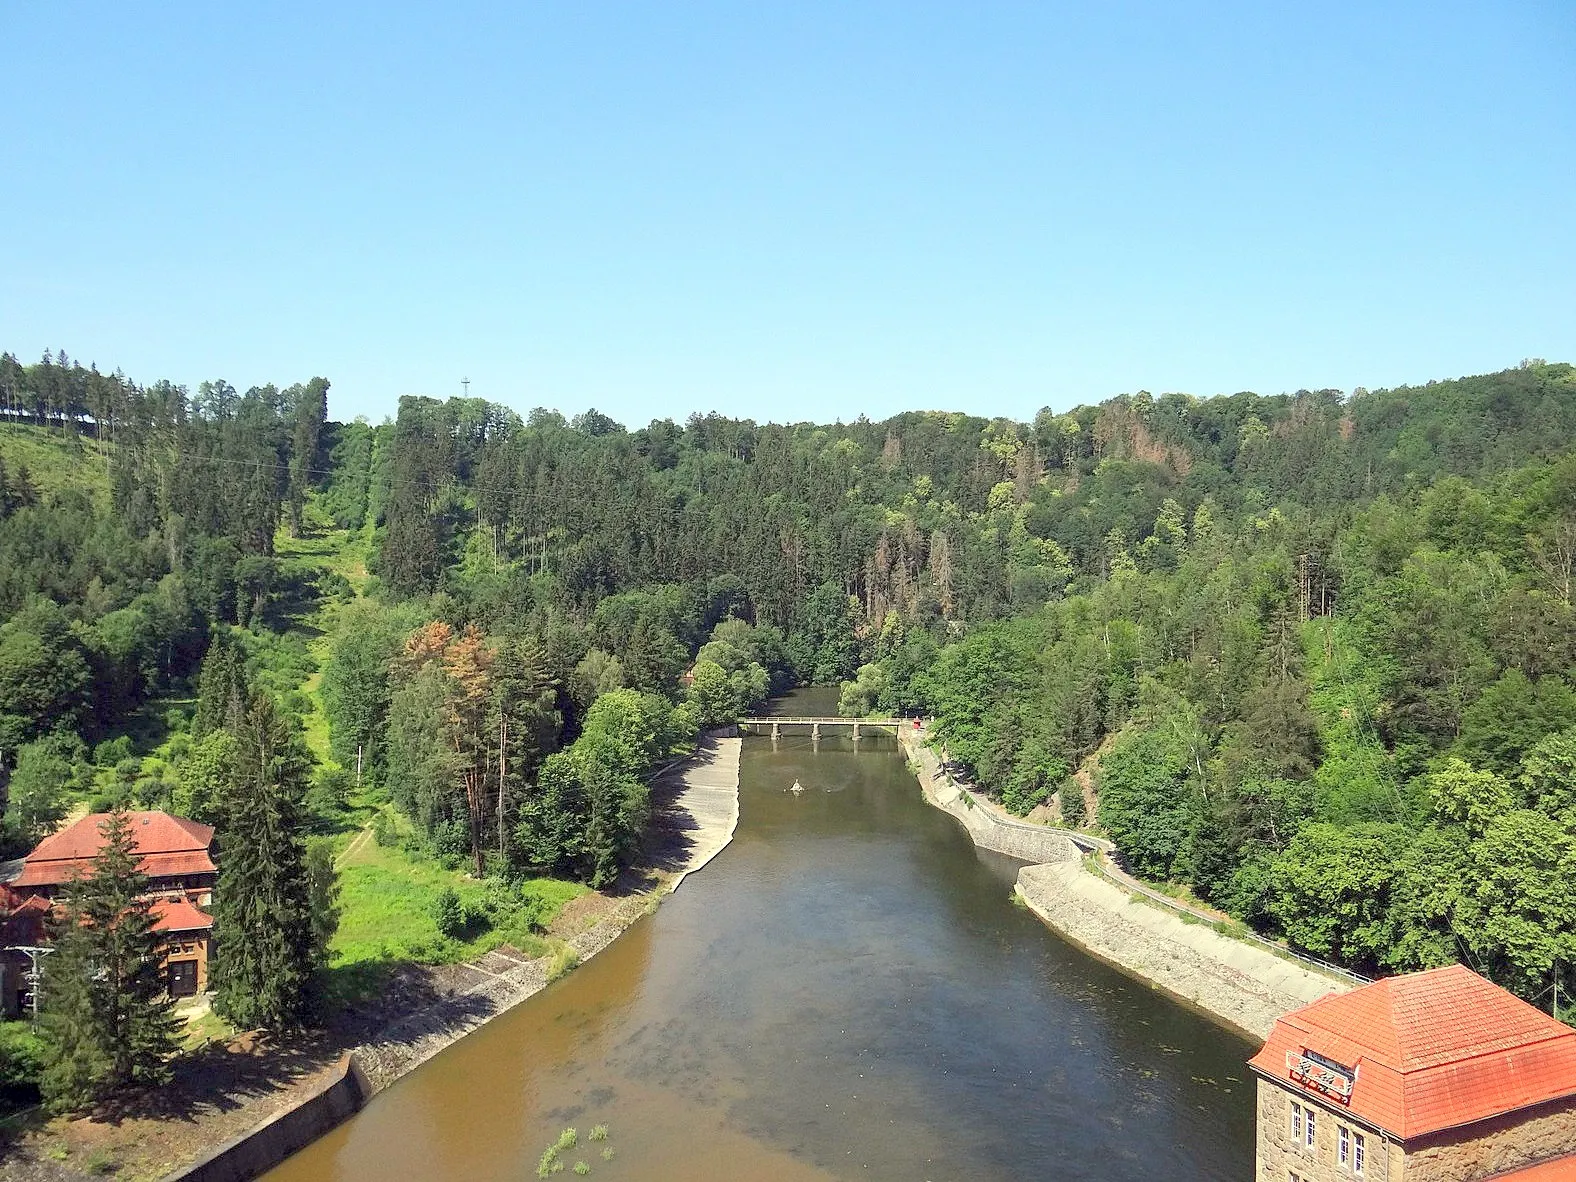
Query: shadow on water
column 847, row 991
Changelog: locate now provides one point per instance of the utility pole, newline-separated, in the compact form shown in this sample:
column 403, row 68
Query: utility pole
column 466, row 382
column 503, row 747
column 34, row 953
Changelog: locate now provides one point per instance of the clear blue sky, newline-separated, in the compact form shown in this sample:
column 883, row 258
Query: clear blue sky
column 793, row 210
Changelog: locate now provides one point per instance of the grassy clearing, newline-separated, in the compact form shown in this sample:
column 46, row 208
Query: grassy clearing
column 54, row 461
column 386, row 900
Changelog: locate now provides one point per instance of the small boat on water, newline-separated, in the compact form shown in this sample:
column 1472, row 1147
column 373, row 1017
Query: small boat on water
column 797, row 788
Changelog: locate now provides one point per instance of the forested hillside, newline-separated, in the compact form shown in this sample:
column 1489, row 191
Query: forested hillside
column 1309, row 653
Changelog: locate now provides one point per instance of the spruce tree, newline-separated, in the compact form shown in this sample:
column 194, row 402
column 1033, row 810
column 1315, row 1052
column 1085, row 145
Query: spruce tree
column 104, row 992
column 266, row 944
column 222, row 687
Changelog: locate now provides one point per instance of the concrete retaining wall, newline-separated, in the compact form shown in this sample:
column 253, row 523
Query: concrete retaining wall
column 1242, row 985
column 264, row 1147
column 1016, row 839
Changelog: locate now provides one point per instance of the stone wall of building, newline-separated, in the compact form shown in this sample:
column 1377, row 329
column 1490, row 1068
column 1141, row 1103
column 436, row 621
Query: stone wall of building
column 1279, row 1156
column 1491, row 1147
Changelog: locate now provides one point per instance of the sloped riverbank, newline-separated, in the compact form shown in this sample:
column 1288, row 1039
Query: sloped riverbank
column 1239, row 984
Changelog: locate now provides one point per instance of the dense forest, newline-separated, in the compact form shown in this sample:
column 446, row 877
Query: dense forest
column 1306, row 656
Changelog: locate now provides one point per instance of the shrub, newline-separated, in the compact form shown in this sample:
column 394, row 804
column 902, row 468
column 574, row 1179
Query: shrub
column 1072, row 798
column 112, row 751
column 448, row 913
column 384, row 831
column 22, row 1055
column 326, row 796
column 565, row 960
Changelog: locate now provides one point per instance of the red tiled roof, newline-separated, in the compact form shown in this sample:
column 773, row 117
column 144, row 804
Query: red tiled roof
column 25, row 922
column 1560, row 1170
column 1431, row 1051
column 169, row 845
column 179, row 916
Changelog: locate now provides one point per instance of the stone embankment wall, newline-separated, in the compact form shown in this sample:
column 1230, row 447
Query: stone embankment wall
column 1016, row 839
column 260, row 1150
column 1240, row 984
column 698, row 804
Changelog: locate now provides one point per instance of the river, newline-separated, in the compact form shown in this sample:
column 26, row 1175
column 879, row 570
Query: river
column 846, row 992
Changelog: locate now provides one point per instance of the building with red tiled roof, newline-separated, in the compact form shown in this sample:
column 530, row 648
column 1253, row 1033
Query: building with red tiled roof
column 1437, row 1075
column 176, row 854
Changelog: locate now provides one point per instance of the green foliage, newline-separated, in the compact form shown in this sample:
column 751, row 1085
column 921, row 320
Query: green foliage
column 24, row 1054
column 47, row 771
column 1511, row 716
column 1255, row 619
column 1071, row 796
column 863, row 695
column 823, row 647
column 447, row 913
column 357, row 692
column 1330, row 888
column 110, row 1022
column 1145, row 805
column 267, row 942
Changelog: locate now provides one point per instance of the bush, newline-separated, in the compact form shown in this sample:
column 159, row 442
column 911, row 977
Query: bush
column 326, row 797
column 448, row 913
column 564, row 961
column 112, row 751
column 333, row 585
column 384, row 831
column 1072, row 798
column 22, row 1054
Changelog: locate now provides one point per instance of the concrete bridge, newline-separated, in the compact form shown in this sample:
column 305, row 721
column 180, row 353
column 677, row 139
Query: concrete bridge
column 775, row 724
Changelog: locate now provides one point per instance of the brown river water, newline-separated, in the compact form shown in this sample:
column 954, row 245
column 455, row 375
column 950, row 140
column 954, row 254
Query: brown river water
column 846, row 992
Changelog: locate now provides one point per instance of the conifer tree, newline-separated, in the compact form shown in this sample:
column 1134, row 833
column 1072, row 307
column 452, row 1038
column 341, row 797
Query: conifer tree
column 103, row 990
column 222, row 687
column 266, row 945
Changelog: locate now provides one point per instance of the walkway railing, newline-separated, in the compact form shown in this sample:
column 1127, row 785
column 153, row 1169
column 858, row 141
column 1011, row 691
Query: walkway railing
column 778, row 721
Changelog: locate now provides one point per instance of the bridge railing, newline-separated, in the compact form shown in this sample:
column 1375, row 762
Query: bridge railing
column 826, row 720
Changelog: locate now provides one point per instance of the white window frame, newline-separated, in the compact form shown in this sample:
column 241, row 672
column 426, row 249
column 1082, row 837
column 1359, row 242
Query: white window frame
column 1343, row 1152
column 1296, row 1123
column 1359, row 1154
column 1308, row 1127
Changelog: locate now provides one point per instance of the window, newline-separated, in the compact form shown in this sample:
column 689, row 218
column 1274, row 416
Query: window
column 1343, row 1145
column 1293, row 1176
column 1359, row 1153
column 1307, row 1127
column 1296, row 1122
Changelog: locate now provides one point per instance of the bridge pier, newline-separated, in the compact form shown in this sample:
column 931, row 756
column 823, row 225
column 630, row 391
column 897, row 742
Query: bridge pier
column 815, row 732
column 776, row 731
